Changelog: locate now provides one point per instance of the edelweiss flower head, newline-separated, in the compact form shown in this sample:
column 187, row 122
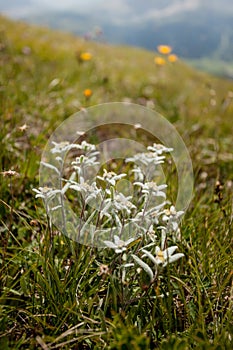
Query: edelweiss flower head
column 44, row 192
column 121, row 203
column 146, row 159
column 171, row 217
column 159, row 149
column 152, row 188
column 61, row 147
column 87, row 146
column 118, row 245
column 84, row 161
column 88, row 191
column 110, row 177
column 166, row 256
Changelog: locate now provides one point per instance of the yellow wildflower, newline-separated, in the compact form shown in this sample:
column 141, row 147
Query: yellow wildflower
column 164, row 49
column 85, row 56
column 87, row 93
column 159, row 61
column 172, row 58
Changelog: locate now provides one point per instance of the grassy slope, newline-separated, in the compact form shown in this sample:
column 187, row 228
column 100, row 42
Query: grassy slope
column 214, row 66
column 37, row 305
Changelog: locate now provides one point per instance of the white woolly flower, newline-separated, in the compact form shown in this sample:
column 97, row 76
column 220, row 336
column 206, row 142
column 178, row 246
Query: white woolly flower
column 120, row 203
column 45, row 192
column 88, row 191
column 110, row 177
column 118, row 245
column 152, row 188
column 63, row 147
column 159, row 149
column 172, row 217
column 146, row 159
column 164, row 257
column 84, row 161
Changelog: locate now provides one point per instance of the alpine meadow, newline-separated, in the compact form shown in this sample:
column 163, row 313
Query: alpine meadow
column 170, row 287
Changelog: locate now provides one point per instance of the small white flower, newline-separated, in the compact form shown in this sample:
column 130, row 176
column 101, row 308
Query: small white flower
column 45, row 192
column 172, row 217
column 166, row 256
column 85, row 146
column 152, row 188
column 146, row 159
column 63, row 147
column 80, row 133
column 118, row 245
column 151, row 234
column 137, row 126
column 84, row 161
column 120, row 203
column 89, row 192
column 138, row 174
column 159, row 149
column 110, row 177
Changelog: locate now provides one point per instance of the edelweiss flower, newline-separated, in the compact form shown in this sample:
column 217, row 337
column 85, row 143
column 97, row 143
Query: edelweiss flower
column 110, row 177
column 146, row 158
column 120, row 203
column 166, row 256
column 138, row 174
column 152, row 188
column 86, row 146
column 171, row 217
column 159, row 149
column 89, row 192
column 63, row 147
column 85, row 161
column 45, row 192
column 118, row 245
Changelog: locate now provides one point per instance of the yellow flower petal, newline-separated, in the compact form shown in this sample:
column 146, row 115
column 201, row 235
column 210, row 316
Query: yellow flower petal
column 85, row 56
column 164, row 49
column 87, row 93
column 172, row 58
column 159, row 61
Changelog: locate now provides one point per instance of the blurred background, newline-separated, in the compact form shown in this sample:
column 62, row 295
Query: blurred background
column 200, row 32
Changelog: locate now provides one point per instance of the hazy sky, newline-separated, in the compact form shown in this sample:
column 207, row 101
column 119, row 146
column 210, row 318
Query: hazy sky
column 117, row 11
column 63, row 4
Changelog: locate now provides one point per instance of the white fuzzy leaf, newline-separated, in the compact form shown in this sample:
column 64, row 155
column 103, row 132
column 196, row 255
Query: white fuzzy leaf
column 149, row 255
column 50, row 166
column 174, row 258
column 110, row 244
column 144, row 266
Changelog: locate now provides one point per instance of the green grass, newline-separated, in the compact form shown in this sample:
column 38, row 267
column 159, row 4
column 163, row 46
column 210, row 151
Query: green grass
column 52, row 295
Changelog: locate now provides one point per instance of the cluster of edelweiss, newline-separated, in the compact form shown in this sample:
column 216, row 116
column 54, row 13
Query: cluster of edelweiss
column 128, row 220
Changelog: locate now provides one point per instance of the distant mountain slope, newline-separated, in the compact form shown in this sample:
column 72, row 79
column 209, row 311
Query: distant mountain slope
column 196, row 30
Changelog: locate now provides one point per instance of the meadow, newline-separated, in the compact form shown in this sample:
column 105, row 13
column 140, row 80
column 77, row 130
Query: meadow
column 58, row 294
